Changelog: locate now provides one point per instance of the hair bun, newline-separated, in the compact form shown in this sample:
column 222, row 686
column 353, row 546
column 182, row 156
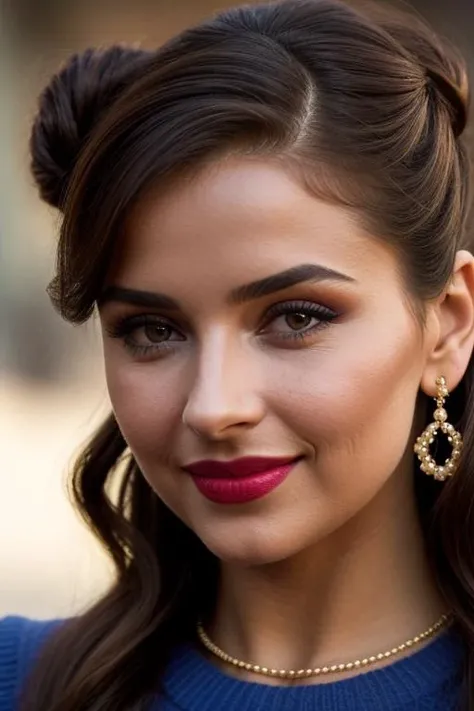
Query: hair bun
column 70, row 106
column 457, row 99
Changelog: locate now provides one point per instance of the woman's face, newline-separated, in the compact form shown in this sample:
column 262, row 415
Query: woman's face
column 243, row 318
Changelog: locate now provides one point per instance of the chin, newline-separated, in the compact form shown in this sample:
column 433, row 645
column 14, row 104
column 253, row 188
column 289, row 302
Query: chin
column 249, row 548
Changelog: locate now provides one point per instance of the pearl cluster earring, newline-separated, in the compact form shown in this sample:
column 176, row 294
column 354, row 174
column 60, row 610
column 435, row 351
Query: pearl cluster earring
column 422, row 447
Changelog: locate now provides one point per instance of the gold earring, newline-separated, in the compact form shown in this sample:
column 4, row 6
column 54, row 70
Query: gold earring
column 422, row 446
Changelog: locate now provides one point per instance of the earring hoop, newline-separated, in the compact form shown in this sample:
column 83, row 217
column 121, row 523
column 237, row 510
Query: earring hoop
column 422, row 447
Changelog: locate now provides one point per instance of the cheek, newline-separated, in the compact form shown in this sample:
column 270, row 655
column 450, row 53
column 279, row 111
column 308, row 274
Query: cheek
column 354, row 402
column 147, row 405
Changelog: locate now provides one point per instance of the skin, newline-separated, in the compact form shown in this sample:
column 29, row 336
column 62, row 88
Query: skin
column 339, row 542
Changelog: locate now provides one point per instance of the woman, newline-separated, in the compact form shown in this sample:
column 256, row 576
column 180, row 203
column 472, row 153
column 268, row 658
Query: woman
column 269, row 217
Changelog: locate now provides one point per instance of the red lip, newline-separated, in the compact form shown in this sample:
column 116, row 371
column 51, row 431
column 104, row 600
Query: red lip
column 247, row 466
column 240, row 480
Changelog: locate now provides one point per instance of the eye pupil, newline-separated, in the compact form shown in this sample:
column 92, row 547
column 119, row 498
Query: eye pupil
column 157, row 333
column 297, row 321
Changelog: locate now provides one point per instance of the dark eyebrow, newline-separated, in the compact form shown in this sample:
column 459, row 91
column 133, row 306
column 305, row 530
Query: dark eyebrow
column 283, row 280
column 247, row 292
column 138, row 298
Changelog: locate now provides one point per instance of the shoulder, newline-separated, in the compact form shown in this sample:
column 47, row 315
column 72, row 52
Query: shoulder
column 21, row 640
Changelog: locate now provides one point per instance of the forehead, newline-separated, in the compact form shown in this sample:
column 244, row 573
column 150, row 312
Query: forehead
column 244, row 218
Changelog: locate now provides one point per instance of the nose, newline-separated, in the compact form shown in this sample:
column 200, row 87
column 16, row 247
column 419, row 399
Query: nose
column 224, row 399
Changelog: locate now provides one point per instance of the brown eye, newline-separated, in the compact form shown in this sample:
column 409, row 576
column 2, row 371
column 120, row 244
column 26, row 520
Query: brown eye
column 146, row 335
column 298, row 321
column 157, row 333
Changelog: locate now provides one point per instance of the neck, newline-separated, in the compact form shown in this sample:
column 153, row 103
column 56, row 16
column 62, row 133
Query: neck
column 363, row 590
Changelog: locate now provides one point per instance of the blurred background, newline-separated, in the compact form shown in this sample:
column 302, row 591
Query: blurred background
column 52, row 390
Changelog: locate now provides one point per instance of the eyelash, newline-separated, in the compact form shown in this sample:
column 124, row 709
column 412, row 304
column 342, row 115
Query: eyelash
column 323, row 314
column 125, row 327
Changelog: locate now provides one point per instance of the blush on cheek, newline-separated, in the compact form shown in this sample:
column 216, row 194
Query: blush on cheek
column 359, row 401
column 147, row 410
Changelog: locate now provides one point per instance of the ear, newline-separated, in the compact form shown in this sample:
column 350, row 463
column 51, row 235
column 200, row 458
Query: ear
column 453, row 323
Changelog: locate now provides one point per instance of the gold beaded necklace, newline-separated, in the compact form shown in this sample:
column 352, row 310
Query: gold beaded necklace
column 334, row 668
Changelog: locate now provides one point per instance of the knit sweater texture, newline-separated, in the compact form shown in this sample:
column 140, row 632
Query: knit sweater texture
column 427, row 680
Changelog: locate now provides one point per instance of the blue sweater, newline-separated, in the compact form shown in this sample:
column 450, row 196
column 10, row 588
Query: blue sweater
column 428, row 680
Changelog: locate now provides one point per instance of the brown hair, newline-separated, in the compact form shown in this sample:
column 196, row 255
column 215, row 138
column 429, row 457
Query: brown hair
column 336, row 91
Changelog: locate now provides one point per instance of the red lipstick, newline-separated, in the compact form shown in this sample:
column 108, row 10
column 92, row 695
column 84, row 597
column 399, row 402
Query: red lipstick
column 240, row 480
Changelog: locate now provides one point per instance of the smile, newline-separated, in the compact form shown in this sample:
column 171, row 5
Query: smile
column 240, row 480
